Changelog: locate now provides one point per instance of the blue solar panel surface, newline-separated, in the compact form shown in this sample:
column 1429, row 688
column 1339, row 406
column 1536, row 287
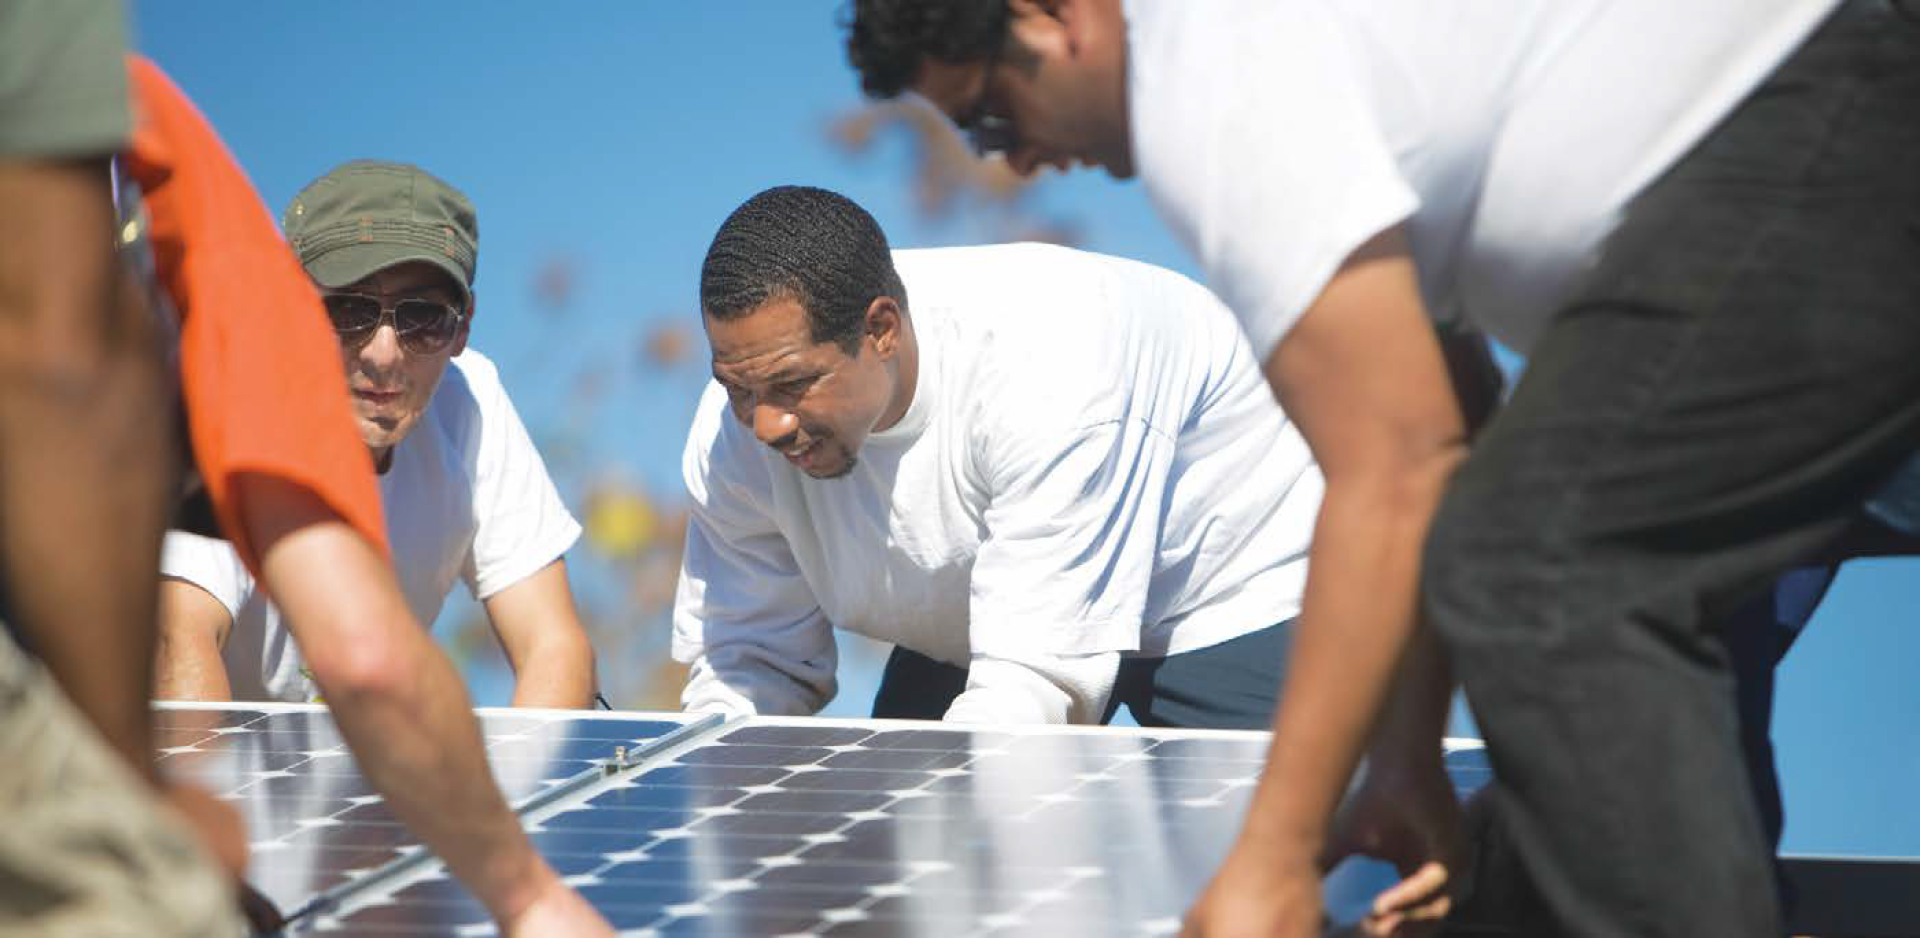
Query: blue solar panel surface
column 766, row 826
column 314, row 822
column 672, row 825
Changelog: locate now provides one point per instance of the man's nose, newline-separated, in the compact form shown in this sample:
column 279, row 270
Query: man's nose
column 383, row 347
column 774, row 425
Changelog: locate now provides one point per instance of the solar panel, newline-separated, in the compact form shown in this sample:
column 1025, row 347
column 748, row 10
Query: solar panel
column 315, row 823
column 772, row 827
column 813, row 827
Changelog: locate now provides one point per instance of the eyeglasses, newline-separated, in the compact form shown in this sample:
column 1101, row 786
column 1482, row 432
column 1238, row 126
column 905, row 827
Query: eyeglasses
column 422, row 326
column 988, row 133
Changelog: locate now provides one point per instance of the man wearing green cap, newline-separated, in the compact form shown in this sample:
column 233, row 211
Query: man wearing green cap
column 466, row 495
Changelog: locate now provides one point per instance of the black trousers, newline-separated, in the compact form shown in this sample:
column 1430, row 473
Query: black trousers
column 1712, row 407
column 1234, row 685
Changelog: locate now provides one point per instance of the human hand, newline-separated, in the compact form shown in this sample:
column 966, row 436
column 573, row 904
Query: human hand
column 1407, row 816
column 263, row 917
column 224, row 834
column 1257, row 893
column 556, row 911
column 217, row 823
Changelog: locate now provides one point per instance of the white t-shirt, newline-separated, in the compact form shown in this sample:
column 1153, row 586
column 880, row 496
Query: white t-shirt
column 466, row 497
column 1278, row 135
column 1091, row 465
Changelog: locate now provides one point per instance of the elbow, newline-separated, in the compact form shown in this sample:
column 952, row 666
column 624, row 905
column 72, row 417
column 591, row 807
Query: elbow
column 371, row 669
column 1409, row 477
column 1431, row 466
column 1417, row 485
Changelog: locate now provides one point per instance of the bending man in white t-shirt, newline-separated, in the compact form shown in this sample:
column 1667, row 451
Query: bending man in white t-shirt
column 1695, row 221
column 1053, row 479
column 466, row 494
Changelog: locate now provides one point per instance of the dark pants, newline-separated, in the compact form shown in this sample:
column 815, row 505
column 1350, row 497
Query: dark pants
column 1234, row 685
column 1713, row 407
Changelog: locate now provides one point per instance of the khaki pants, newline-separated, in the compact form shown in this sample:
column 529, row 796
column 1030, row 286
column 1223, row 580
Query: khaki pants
column 85, row 850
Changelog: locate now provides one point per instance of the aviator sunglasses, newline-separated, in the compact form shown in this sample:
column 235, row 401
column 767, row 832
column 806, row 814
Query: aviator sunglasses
column 422, row 326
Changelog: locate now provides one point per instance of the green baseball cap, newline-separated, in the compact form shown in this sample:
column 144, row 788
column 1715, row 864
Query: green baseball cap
column 364, row 216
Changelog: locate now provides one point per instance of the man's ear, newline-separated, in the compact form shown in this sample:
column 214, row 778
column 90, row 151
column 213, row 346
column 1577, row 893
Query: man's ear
column 1041, row 28
column 884, row 325
column 466, row 322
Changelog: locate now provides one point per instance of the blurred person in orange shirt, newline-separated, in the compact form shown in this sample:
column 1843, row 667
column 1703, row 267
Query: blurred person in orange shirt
column 290, row 484
column 85, row 480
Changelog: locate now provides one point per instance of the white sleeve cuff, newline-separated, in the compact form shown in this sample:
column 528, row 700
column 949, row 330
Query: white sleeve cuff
column 1049, row 689
column 210, row 564
column 745, row 683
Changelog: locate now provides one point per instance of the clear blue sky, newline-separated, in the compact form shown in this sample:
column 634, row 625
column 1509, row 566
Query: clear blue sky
column 614, row 137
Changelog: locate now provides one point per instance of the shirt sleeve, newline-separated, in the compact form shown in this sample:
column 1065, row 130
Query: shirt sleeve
column 1268, row 160
column 63, row 78
column 209, row 563
column 260, row 372
column 744, row 618
column 521, row 525
column 1041, row 689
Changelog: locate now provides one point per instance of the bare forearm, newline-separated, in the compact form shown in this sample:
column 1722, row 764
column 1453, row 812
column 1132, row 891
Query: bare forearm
column 1365, row 380
column 540, row 631
column 396, row 698
column 189, row 671
column 418, row 742
column 1414, row 717
column 555, row 673
column 85, row 484
column 1350, row 645
column 193, row 628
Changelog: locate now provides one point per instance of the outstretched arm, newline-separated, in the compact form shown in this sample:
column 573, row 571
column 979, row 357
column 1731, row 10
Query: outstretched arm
column 399, row 703
column 745, row 620
column 1363, row 377
column 540, row 630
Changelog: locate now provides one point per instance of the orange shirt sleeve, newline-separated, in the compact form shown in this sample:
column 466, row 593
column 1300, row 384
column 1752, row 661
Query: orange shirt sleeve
column 260, row 368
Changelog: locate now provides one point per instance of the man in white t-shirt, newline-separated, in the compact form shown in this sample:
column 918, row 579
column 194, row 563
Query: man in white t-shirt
column 1693, row 220
column 1053, row 479
column 466, row 495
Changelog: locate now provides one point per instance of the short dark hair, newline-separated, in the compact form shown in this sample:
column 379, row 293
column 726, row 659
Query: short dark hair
column 888, row 39
column 810, row 245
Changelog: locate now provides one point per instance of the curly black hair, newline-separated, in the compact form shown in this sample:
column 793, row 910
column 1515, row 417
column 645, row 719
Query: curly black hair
column 816, row 247
column 888, row 39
